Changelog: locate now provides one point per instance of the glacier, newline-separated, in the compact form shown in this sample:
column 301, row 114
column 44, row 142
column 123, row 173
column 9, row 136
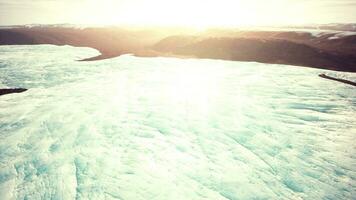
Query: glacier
column 170, row 128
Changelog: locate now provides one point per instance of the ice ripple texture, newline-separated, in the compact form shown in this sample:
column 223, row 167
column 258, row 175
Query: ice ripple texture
column 167, row 128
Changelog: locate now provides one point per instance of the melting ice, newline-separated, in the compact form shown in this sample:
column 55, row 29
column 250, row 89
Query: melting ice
column 166, row 128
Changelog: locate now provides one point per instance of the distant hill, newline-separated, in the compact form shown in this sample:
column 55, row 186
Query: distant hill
column 267, row 50
column 327, row 49
column 331, row 26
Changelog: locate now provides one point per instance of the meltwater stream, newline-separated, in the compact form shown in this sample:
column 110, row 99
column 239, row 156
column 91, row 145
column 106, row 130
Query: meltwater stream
column 167, row 128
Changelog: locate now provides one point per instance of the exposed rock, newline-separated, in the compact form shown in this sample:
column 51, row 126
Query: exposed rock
column 337, row 79
column 11, row 90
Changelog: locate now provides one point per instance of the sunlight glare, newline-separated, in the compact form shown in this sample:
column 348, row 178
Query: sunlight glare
column 198, row 13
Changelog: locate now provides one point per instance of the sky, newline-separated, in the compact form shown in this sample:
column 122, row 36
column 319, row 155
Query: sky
column 177, row 12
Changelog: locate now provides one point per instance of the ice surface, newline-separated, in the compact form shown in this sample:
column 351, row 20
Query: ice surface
column 166, row 128
column 317, row 33
column 341, row 35
column 332, row 35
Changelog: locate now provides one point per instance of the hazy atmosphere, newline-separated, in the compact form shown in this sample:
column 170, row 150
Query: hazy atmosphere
column 174, row 12
column 178, row 100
